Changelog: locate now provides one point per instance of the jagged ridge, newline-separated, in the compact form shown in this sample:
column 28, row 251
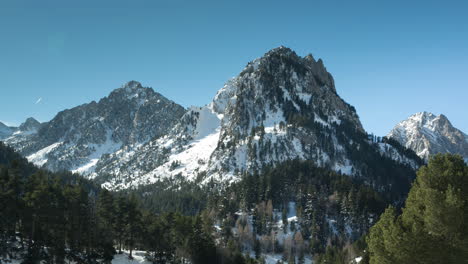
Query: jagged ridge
column 75, row 139
column 280, row 107
column 428, row 134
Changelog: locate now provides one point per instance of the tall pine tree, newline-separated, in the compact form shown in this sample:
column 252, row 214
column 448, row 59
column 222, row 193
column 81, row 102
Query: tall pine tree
column 433, row 227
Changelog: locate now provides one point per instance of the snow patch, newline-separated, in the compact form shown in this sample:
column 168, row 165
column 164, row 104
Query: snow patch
column 109, row 146
column 138, row 258
column 40, row 157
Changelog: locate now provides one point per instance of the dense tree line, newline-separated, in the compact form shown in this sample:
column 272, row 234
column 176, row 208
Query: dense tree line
column 430, row 228
column 55, row 218
column 171, row 195
column 333, row 210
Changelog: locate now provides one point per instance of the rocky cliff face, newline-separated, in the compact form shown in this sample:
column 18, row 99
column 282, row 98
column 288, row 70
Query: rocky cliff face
column 428, row 134
column 75, row 139
column 280, row 107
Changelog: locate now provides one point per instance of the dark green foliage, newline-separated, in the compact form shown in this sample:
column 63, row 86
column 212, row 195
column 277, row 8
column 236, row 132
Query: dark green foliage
column 319, row 195
column 433, row 226
column 59, row 217
column 170, row 196
column 391, row 178
column 402, row 149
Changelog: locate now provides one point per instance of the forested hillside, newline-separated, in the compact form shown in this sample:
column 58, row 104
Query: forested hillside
column 58, row 218
column 292, row 213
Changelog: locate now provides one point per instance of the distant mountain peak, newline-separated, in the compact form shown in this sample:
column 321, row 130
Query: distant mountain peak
column 428, row 134
column 281, row 50
column 132, row 85
column 28, row 127
column 423, row 116
column 130, row 91
column 30, row 124
column 77, row 138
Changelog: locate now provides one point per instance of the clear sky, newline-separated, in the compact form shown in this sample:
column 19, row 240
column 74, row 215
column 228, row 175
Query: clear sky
column 390, row 59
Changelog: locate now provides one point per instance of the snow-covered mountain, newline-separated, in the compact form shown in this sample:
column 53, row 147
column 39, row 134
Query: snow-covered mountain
column 280, row 107
column 427, row 134
column 75, row 139
column 30, row 126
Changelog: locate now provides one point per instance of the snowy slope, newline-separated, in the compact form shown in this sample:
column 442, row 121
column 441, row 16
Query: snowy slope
column 428, row 134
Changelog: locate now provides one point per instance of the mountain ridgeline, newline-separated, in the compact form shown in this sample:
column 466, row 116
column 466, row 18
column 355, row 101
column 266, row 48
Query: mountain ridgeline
column 75, row 139
column 29, row 126
column 428, row 134
column 280, row 107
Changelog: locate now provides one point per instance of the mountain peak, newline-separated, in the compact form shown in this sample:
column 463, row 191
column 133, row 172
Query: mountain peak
column 424, row 114
column 428, row 120
column 281, row 50
column 132, row 85
column 421, row 118
column 30, row 124
column 428, row 134
column 443, row 118
column 131, row 90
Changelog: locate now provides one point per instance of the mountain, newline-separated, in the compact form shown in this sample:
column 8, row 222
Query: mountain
column 30, row 126
column 75, row 139
column 6, row 131
column 428, row 134
column 280, row 107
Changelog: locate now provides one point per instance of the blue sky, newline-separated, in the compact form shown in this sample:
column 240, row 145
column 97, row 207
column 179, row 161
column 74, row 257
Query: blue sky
column 390, row 59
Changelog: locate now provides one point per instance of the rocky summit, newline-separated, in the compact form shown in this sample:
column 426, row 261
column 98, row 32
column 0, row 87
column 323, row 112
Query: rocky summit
column 428, row 134
column 75, row 139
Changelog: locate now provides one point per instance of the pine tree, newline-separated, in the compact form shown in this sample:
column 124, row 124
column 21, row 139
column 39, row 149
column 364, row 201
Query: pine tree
column 120, row 220
column 133, row 222
column 159, row 238
column 106, row 216
column 433, row 227
column 200, row 245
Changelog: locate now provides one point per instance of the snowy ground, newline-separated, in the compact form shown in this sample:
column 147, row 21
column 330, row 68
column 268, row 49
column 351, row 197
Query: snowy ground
column 273, row 259
column 138, row 258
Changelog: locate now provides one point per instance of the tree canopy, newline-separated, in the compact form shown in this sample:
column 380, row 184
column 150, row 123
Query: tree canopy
column 433, row 225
